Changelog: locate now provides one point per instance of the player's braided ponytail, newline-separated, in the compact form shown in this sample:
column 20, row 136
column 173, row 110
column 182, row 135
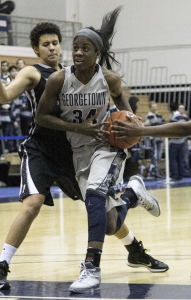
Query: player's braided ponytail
column 106, row 32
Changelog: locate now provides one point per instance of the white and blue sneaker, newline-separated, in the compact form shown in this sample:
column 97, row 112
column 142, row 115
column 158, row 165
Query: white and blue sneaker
column 145, row 199
column 89, row 279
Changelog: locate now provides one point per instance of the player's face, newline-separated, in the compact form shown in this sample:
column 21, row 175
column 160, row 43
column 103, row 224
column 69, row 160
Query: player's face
column 48, row 49
column 84, row 53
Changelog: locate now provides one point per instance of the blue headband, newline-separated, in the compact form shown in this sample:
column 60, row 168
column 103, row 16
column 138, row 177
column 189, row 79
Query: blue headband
column 92, row 35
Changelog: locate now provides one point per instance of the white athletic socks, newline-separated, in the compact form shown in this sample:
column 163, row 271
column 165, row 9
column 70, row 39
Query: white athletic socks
column 7, row 253
column 128, row 239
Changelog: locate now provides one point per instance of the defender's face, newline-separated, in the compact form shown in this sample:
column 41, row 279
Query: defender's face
column 48, row 49
column 84, row 53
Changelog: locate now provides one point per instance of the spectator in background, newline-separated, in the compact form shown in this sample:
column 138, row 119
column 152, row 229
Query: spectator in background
column 5, row 72
column 132, row 163
column 176, row 147
column 25, row 115
column 184, row 118
column 7, row 125
column 153, row 118
column 20, row 63
column 21, row 109
column 16, row 104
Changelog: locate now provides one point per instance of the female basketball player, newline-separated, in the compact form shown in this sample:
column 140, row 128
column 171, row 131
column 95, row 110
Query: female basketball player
column 43, row 149
column 84, row 90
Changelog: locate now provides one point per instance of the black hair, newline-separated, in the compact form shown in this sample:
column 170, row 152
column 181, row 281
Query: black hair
column 12, row 67
column 173, row 106
column 5, row 61
column 106, row 32
column 44, row 28
column 133, row 103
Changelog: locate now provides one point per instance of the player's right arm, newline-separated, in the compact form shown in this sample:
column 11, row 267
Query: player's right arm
column 26, row 79
column 132, row 129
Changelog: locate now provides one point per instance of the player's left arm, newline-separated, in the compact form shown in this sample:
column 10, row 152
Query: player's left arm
column 114, row 82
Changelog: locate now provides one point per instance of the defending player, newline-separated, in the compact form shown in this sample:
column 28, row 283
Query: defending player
column 84, row 90
column 132, row 129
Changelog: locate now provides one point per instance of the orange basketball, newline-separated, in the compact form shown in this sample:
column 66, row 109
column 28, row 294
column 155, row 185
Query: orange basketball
column 124, row 143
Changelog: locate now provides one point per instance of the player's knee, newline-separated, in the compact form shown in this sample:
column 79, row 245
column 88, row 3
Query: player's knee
column 32, row 205
column 111, row 221
column 97, row 216
column 122, row 213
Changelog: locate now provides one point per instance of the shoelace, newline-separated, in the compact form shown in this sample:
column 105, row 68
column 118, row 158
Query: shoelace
column 5, row 267
column 145, row 205
column 142, row 250
column 84, row 273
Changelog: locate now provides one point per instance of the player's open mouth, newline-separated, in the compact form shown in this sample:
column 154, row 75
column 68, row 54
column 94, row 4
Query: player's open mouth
column 78, row 61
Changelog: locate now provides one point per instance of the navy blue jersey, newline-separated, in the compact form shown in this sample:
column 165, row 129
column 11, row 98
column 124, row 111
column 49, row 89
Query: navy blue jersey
column 52, row 143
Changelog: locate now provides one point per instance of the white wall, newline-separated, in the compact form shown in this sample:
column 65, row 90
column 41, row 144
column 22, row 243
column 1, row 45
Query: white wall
column 45, row 9
column 142, row 23
column 151, row 24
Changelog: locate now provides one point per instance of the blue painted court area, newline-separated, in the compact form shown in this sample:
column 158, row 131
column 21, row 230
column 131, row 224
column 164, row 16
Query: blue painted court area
column 59, row 290
column 11, row 194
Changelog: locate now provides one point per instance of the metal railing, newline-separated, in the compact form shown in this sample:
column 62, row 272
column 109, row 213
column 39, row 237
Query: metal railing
column 153, row 81
column 20, row 28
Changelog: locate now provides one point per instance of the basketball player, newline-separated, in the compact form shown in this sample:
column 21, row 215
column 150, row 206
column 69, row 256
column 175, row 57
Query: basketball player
column 132, row 129
column 84, row 90
column 45, row 149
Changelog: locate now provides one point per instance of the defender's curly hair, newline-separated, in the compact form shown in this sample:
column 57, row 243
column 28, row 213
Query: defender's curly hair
column 106, row 32
column 44, row 28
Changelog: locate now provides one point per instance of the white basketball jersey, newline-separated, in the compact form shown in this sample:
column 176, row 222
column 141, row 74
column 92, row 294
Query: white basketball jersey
column 79, row 102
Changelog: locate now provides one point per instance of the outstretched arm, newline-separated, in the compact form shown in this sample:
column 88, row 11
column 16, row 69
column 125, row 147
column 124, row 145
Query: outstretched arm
column 133, row 129
column 45, row 112
column 26, row 79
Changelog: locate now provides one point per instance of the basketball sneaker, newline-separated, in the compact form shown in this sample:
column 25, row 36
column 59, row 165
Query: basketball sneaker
column 4, row 269
column 138, row 258
column 89, row 279
column 145, row 199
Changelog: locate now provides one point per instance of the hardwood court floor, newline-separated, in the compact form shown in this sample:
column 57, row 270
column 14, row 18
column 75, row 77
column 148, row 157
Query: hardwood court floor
column 57, row 242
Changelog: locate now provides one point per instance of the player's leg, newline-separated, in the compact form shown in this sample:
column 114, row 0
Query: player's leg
column 20, row 226
column 104, row 168
column 137, row 254
column 34, row 191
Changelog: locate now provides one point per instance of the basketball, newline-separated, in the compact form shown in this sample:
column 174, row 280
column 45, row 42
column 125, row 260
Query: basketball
column 124, row 143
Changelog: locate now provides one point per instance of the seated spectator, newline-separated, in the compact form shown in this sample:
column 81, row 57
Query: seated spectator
column 7, row 125
column 132, row 163
column 16, row 104
column 184, row 118
column 5, row 72
column 25, row 115
column 21, row 109
column 20, row 63
column 153, row 118
column 177, row 146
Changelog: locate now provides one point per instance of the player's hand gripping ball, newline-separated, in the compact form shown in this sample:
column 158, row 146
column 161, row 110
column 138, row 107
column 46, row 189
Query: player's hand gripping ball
column 124, row 143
